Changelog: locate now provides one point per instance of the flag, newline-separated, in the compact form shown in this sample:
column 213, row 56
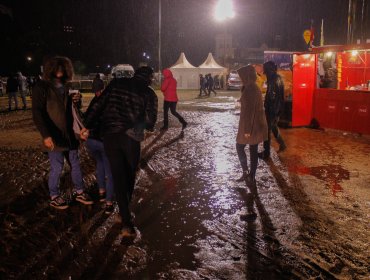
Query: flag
column 312, row 37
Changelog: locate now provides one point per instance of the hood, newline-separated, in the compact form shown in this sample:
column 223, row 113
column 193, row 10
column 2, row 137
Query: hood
column 167, row 73
column 247, row 74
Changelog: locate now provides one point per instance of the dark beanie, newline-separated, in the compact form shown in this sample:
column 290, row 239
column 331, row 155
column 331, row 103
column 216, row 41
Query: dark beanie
column 144, row 72
column 270, row 66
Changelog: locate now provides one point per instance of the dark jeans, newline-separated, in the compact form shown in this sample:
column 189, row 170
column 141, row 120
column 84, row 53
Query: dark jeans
column 56, row 167
column 202, row 90
column 253, row 153
column 123, row 154
column 168, row 105
column 103, row 172
column 272, row 125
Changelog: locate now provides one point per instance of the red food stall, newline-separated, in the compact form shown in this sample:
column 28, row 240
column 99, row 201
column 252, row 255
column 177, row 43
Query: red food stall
column 331, row 84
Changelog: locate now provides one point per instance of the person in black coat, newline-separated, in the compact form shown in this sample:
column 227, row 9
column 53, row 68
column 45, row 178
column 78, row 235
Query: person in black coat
column 274, row 105
column 126, row 108
column 53, row 115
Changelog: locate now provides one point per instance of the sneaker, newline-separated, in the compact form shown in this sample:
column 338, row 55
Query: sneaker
column 102, row 196
column 128, row 232
column 184, row 125
column 84, row 198
column 59, row 203
column 108, row 209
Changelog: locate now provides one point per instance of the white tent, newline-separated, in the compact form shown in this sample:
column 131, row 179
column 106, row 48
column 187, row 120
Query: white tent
column 210, row 66
column 185, row 73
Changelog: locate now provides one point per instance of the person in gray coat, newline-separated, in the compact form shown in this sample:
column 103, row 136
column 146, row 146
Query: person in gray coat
column 252, row 124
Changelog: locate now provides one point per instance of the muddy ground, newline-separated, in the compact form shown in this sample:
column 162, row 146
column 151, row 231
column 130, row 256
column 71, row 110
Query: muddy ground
column 311, row 201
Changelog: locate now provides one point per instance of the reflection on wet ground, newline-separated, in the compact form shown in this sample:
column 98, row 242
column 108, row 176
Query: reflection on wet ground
column 194, row 220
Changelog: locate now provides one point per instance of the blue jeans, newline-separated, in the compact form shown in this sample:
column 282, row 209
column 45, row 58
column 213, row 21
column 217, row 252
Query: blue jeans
column 103, row 171
column 56, row 167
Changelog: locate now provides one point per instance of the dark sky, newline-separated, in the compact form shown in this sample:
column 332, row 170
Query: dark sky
column 119, row 31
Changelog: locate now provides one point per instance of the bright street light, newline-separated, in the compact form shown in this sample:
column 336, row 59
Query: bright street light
column 224, row 10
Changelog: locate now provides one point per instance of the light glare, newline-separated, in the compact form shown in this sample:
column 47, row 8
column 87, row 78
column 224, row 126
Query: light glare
column 224, row 10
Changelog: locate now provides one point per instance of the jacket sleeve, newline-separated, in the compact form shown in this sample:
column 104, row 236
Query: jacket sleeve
column 279, row 102
column 39, row 113
column 151, row 110
column 249, row 109
column 164, row 85
column 96, row 107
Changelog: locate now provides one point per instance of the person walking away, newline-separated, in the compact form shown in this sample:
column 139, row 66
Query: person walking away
column 274, row 105
column 97, row 85
column 53, row 117
column 135, row 107
column 104, row 176
column 169, row 89
column 23, row 85
column 12, row 87
column 211, row 85
column 252, row 123
column 202, row 85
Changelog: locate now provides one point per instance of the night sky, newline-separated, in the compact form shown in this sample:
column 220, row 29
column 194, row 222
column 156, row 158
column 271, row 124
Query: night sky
column 119, row 31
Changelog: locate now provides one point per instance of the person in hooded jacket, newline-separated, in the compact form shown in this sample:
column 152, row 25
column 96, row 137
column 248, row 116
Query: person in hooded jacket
column 274, row 105
column 126, row 108
column 252, row 124
column 52, row 111
column 169, row 89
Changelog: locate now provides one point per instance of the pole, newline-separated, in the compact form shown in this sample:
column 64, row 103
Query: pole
column 349, row 24
column 159, row 36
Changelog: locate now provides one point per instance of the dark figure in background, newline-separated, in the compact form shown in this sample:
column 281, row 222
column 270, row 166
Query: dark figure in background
column 274, row 105
column 252, row 123
column 97, row 85
column 126, row 108
column 202, row 86
column 12, row 87
column 169, row 89
column 211, row 85
column 23, row 87
column 54, row 116
column 217, row 82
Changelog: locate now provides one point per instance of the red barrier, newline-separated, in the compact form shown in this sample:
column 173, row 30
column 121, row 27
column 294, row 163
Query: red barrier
column 343, row 110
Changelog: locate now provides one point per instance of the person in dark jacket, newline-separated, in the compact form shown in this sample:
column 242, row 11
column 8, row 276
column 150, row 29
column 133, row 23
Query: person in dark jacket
column 127, row 107
column 274, row 105
column 169, row 89
column 210, row 84
column 52, row 107
column 12, row 87
column 202, row 86
column 97, row 85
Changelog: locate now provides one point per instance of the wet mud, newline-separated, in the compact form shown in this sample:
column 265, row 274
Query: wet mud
column 306, row 218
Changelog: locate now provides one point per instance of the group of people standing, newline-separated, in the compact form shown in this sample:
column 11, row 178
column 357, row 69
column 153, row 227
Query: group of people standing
column 17, row 83
column 257, row 118
column 113, row 127
column 206, row 85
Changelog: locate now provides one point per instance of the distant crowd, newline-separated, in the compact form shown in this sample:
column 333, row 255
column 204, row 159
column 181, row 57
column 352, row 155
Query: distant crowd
column 18, row 85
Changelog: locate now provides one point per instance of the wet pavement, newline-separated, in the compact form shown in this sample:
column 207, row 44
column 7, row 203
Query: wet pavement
column 312, row 206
